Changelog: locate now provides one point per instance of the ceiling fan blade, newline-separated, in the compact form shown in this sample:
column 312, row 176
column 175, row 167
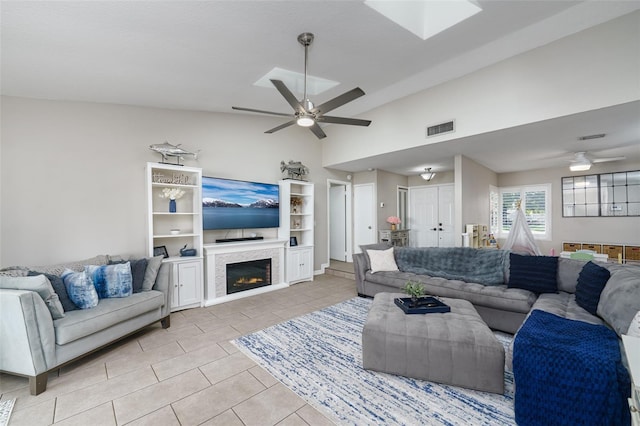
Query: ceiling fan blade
column 317, row 131
column 338, row 101
column 290, row 97
column 262, row 111
column 342, row 120
column 606, row 160
column 282, row 126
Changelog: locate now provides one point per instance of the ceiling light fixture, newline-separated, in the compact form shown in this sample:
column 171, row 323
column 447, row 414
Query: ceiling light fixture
column 580, row 163
column 428, row 174
column 305, row 121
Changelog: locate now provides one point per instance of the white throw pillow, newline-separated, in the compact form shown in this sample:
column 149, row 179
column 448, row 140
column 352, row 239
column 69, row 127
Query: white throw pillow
column 634, row 327
column 382, row 260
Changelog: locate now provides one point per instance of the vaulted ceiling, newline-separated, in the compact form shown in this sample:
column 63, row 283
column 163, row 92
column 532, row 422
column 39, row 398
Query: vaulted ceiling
column 207, row 55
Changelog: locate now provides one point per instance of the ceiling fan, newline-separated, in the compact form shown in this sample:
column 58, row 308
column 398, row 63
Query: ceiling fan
column 305, row 113
column 582, row 163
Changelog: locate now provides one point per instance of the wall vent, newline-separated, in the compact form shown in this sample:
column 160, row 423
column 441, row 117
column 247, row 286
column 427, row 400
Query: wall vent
column 441, row 128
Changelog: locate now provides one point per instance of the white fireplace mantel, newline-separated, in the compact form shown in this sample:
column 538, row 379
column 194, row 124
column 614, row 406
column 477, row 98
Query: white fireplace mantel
column 218, row 255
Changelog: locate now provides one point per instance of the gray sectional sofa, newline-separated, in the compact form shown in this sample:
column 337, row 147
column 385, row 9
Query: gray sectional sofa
column 501, row 307
column 34, row 343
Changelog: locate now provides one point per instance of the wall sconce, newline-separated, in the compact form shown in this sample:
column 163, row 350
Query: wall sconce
column 428, row 174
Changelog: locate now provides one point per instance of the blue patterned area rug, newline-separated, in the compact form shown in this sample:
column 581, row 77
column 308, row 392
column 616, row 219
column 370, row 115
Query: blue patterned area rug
column 6, row 407
column 319, row 357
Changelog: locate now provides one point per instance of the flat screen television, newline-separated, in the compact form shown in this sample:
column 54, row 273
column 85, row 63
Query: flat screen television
column 237, row 204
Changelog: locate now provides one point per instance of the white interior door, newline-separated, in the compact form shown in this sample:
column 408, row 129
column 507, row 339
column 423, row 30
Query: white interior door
column 445, row 216
column 338, row 222
column 423, row 216
column 364, row 216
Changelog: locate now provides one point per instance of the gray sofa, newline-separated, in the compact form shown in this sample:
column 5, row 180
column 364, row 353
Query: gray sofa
column 33, row 343
column 504, row 308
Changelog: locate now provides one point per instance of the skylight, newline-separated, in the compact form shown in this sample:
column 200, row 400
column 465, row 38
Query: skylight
column 425, row 18
column 295, row 81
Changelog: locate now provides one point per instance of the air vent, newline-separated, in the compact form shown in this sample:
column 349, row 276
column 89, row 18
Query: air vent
column 596, row 136
column 441, row 128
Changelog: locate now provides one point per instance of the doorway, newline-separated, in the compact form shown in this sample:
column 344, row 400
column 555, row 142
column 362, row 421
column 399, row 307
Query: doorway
column 339, row 223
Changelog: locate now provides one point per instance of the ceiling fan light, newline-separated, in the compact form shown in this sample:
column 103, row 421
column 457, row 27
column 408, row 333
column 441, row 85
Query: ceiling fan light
column 305, row 121
column 580, row 167
column 428, row 174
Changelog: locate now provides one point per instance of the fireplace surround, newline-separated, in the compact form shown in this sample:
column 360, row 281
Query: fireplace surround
column 219, row 255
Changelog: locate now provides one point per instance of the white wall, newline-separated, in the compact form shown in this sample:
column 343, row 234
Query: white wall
column 595, row 68
column 73, row 173
column 608, row 230
column 475, row 183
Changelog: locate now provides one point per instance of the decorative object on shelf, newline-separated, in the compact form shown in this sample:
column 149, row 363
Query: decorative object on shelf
column 172, row 194
column 296, row 203
column 294, row 169
column 293, row 241
column 175, row 178
column 394, row 221
column 174, row 231
column 296, row 224
column 168, row 150
column 415, row 290
column 160, row 251
column 184, row 251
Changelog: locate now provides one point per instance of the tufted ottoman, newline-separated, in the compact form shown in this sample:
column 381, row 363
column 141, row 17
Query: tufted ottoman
column 456, row 348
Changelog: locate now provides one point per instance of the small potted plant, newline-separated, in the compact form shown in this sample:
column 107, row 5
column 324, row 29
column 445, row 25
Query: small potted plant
column 394, row 221
column 415, row 290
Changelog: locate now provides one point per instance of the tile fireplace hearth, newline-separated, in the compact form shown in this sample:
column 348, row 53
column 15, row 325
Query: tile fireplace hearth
column 223, row 261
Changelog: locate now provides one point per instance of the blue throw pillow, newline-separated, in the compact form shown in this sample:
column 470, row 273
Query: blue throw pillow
column 60, row 289
column 537, row 274
column 111, row 280
column 80, row 289
column 138, row 271
column 591, row 282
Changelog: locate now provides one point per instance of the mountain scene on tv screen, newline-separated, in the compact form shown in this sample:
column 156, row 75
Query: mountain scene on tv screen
column 229, row 204
column 259, row 204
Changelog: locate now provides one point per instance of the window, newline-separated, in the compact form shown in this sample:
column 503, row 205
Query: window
column 535, row 202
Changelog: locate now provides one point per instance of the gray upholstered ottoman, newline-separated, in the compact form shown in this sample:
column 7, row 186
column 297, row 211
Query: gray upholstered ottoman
column 456, row 348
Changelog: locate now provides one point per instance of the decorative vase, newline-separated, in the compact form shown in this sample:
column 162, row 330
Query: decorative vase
column 393, row 226
column 172, row 206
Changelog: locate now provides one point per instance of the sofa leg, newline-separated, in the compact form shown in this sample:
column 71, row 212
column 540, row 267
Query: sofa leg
column 38, row 384
column 166, row 322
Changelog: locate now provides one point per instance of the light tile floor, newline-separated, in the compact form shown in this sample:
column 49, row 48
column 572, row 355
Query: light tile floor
column 189, row 374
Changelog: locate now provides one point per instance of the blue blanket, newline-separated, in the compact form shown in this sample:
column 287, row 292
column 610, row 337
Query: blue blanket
column 568, row 373
column 454, row 263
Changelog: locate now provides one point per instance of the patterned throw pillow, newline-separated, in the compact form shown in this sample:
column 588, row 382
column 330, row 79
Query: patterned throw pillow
column 591, row 282
column 111, row 280
column 80, row 289
column 138, row 272
column 382, row 260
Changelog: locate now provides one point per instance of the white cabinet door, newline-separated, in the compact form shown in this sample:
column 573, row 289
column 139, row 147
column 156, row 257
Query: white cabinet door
column 299, row 265
column 187, row 284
